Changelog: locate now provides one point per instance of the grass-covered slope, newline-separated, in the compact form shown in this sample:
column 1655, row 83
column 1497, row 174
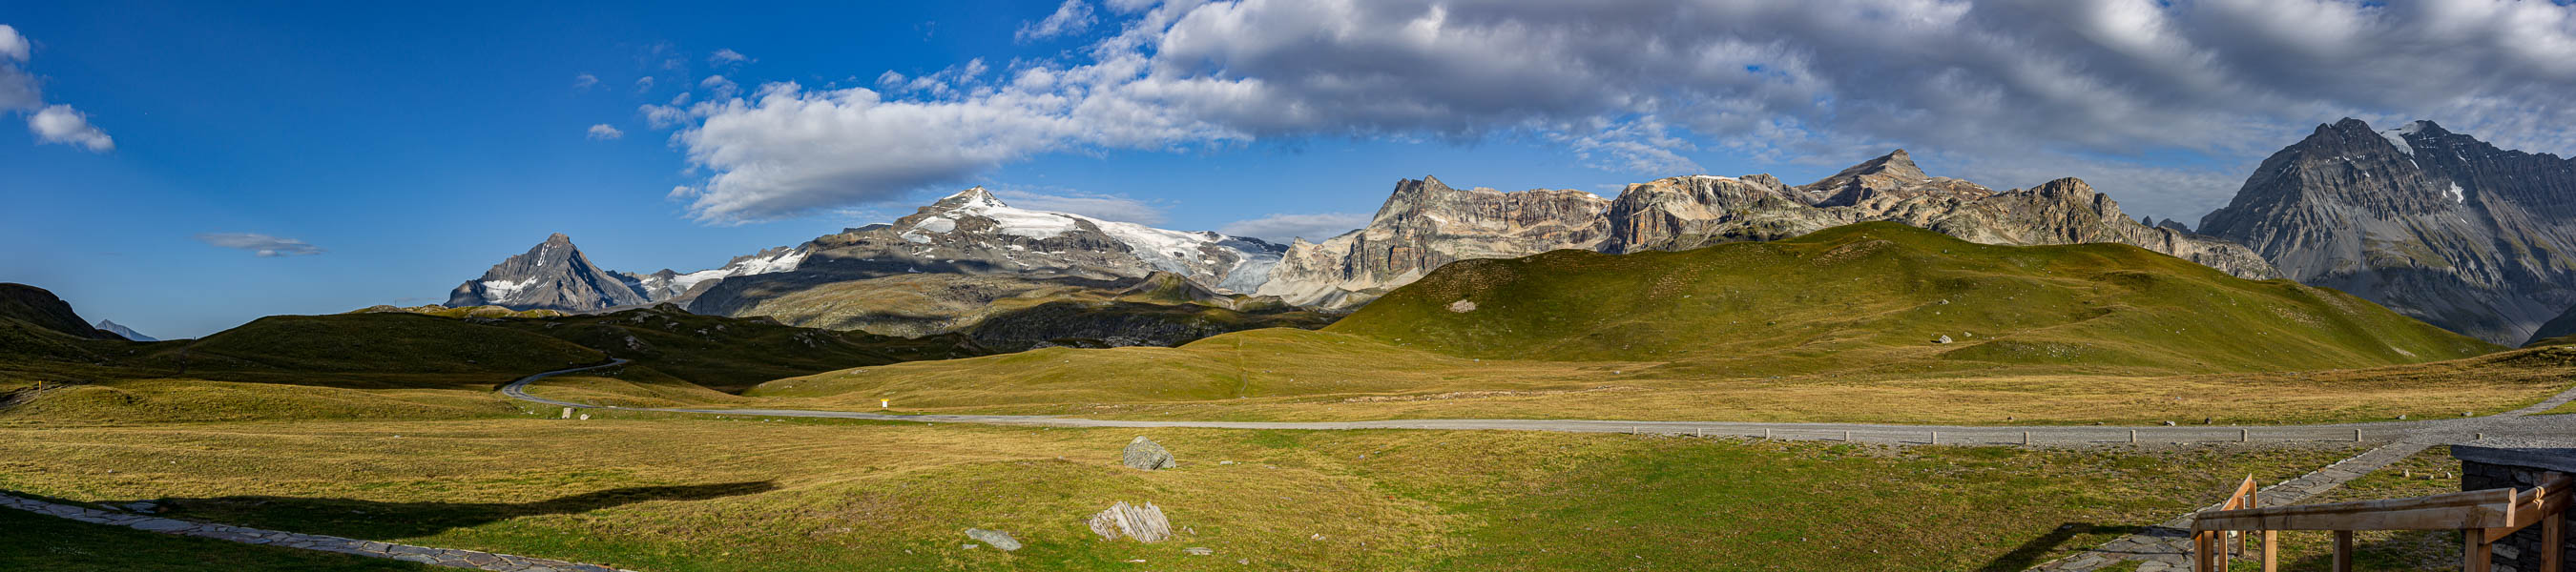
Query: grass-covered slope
column 1826, row 327
column 1890, row 291
column 733, row 353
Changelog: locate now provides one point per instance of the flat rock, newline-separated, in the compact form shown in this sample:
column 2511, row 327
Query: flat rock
column 998, row 539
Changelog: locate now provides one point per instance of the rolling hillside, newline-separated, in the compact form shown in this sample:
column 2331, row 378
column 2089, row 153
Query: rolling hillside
column 1845, row 312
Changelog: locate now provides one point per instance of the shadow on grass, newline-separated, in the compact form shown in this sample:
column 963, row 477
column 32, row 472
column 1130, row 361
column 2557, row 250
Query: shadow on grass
column 393, row 521
column 2030, row 552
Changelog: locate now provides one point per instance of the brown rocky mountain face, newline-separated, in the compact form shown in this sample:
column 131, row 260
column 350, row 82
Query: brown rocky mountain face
column 1426, row 224
column 2433, row 224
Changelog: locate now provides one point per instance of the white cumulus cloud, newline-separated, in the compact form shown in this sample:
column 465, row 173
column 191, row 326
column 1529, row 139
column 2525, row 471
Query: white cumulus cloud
column 2111, row 90
column 12, row 45
column 261, row 245
column 605, row 132
column 62, row 124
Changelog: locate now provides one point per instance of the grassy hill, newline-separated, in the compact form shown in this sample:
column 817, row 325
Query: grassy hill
column 1886, row 290
column 388, row 365
column 1829, row 326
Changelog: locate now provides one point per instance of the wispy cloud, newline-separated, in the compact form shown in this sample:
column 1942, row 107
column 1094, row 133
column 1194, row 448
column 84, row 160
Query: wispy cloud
column 605, row 132
column 584, row 81
column 1283, row 227
column 262, row 245
column 1072, row 17
column 1099, row 206
column 727, row 56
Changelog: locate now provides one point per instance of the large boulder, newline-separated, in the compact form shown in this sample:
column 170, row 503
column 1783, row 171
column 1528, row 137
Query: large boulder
column 1145, row 454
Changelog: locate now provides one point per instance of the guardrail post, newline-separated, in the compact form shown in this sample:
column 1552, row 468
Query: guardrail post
column 2244, row 436
column 2025, row 438
column 2133, row 435
column 2356, row 435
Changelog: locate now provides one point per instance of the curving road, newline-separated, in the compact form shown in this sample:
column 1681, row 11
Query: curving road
column 2516, row 423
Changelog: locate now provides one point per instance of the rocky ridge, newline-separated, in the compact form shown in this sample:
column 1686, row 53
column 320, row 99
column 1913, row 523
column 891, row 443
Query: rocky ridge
column 1426, row 224
column 555, row 275
column 2434, row 224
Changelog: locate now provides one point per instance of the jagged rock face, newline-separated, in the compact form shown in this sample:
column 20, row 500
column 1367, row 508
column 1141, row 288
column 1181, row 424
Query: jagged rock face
column 2433, row 224
column 2068, row 211
column 553, row 276
column 1426, row 224
column 1690, row 212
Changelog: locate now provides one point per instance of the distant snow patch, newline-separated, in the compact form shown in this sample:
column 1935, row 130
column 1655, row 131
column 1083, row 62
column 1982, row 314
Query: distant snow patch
column 2456, row 195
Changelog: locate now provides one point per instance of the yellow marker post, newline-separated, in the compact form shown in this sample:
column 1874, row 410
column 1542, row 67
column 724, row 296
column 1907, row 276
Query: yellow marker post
column 885, row 403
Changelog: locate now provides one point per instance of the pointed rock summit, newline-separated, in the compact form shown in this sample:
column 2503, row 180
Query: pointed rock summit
column 554, row 275
column 2434, row 224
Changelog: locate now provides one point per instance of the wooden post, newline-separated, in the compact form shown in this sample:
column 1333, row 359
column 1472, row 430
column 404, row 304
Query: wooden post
column 2200, row 552
column 2271, row 555
column 2223, row 555
column 2553, row 541
column 2479, row 553
column 2343, row 551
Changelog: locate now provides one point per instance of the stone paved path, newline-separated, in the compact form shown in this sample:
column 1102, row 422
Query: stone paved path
column 422, row 554
column 2166, row 546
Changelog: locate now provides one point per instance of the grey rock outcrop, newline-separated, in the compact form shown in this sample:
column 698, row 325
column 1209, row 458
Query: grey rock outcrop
column 1145, row 524
column 2433, row 224
column 1143, row 453
column 1425, row 224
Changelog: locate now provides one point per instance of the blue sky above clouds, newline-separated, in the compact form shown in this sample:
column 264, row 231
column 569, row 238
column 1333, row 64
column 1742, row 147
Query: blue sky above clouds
column 186, row 166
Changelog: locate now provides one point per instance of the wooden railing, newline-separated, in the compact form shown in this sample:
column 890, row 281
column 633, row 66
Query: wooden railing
column 2483, row 517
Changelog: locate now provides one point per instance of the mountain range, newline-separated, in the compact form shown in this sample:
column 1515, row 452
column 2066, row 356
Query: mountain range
column 1427, row 224
column 2437, row 225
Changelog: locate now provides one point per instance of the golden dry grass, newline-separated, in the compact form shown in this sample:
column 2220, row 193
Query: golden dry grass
column 1300, row 375
column 744, row 494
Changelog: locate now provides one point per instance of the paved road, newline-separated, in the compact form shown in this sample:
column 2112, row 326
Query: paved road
column 2513, row 424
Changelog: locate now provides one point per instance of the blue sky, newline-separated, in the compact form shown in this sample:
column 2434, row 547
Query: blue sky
column 414, row 148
